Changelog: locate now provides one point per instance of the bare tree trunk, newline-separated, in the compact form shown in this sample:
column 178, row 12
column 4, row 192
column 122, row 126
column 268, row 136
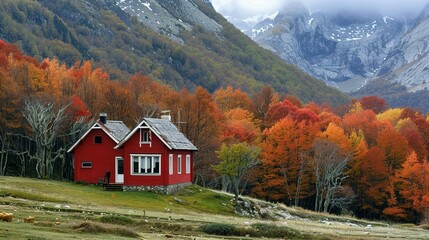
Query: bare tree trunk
column 235, row 184
column 287, row 187
column 299, row 182
column 328, row 163
column 45, row 126
column 225, row 183
column 4, row 154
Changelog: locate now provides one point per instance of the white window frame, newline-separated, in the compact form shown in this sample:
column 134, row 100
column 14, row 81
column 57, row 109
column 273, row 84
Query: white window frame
column 188, row 163
column 140, row 158
column 170, row 164
column 149, row 135
column 179, row 164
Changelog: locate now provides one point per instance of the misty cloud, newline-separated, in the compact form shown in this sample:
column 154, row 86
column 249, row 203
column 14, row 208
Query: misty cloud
column 385, row 6
column 245, row 8
column 248, row 8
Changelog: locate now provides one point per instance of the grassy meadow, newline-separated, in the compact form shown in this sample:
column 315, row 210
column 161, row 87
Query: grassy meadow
column 73, row 211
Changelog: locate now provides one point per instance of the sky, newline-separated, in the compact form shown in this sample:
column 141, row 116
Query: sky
column 249, row 8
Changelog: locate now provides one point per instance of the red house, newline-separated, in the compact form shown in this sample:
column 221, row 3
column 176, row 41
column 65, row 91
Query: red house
column 155, row 155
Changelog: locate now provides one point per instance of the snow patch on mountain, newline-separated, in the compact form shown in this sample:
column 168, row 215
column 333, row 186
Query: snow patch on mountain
column 169, row 17
column 261, row 30
column 387, row 18
column 146, row 4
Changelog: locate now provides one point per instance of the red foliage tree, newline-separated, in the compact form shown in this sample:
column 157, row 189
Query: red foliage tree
column 373, row 103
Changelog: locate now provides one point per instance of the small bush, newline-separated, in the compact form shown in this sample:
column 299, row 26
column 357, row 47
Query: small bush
column 91, row 228
column 220, row 229
column 114, row 219
column 256, row 230
column 273, row 231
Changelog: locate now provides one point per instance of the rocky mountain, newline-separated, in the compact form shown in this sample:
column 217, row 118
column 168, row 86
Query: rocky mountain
column 183, row 43
column 408, row 61
column 351, row 49
column 169, row 17
column 333, row 46
column 403, row 78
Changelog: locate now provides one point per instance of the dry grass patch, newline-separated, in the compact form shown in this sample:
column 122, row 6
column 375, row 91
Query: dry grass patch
column 91, row 227
column 425, row 226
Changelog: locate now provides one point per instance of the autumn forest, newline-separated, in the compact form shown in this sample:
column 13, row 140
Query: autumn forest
column 362, row 158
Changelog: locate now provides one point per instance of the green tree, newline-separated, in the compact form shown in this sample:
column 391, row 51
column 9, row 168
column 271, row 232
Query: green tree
column 236, row 160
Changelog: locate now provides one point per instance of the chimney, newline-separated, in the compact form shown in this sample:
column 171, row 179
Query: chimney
column 166, row 115
column 103, row 118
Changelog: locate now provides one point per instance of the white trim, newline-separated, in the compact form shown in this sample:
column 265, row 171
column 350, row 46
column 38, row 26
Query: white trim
column 188, row 163
column 95, row 126
column 179, row 164
column 170, row 164
column 141, row 132
column 147, row 126
column 116, row 169
column 144, row 155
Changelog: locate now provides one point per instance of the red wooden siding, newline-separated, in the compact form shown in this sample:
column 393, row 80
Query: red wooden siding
column 103, row 159
column 133, row 146
column 183, row 176
column 101, row 155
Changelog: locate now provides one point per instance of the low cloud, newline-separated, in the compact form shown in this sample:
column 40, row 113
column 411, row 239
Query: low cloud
column 248, row 8
column 385, row 6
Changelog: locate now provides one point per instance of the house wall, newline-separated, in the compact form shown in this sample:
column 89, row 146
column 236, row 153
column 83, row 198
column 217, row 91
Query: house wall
column 182, row 177
column 101, row 155
column 132, row 146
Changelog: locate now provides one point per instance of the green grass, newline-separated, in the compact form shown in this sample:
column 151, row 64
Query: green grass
column 195, row 198
column 74, row 211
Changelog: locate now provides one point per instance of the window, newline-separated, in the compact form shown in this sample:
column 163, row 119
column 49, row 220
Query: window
column 170, row 164
column 146, row 164
column 86, row 164
column 144, row 136
column 98, row 139
column 188, row 163
column 179, row 164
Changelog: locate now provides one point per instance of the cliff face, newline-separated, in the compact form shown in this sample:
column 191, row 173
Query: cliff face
column 408, row 62
column 169, row 17
column 342, row 48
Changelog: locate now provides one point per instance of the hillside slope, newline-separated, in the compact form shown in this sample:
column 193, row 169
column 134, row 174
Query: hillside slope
column 89, row 212
column 193, row 45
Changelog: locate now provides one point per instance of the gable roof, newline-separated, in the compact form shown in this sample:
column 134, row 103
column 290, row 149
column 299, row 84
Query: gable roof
column 116, row 130
column 166, row 131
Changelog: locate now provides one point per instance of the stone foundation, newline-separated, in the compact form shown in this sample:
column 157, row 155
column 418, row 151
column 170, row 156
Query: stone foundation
column 157, row 189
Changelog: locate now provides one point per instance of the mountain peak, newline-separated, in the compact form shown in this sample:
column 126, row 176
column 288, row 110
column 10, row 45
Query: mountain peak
column 294, row 8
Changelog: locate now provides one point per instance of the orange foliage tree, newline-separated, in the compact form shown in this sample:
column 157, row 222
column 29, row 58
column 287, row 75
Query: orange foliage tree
column 284, row 174
column 412, row 191
column 240, row 126
column 373, row 185
column 201, row 118
column 229, row 98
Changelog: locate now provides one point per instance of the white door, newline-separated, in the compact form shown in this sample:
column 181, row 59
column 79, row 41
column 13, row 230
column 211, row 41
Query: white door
column 119, row 172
